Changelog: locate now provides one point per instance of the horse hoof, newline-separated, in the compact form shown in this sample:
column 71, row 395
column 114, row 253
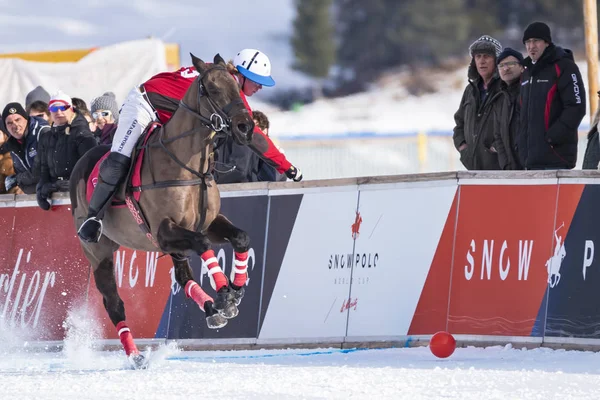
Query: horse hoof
column 238, row 295
column 230, row 311
column 138, row 361
column 214, row 319
column 225, row 303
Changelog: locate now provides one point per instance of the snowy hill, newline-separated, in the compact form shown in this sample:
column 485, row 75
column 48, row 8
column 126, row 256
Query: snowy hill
column 387, row 110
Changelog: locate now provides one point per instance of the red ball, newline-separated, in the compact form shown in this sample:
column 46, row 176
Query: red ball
column 442, row 344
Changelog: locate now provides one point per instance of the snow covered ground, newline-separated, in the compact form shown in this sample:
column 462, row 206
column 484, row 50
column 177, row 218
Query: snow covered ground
column 406, row 373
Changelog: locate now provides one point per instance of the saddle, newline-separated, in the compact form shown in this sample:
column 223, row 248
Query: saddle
column 133, row 179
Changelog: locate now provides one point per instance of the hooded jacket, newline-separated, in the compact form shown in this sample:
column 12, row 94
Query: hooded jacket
column 475, row 123
column 552, row 107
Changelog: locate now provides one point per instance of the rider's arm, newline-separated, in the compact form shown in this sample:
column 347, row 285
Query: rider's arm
column 262, row 145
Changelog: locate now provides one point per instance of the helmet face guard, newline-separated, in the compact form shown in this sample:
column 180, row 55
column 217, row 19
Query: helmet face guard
column 255, row 66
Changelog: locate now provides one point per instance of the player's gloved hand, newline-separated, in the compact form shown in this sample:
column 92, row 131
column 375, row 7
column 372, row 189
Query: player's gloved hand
column 294, row 174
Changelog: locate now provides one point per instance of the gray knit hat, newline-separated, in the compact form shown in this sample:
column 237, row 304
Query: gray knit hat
column 37, row 94
column 106, row 102
column 486, row 44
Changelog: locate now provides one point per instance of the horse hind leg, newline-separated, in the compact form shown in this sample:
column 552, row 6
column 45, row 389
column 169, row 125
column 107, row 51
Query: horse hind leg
column 221, row 230
column 101, row 256
column 183, row 273
column 174, row 239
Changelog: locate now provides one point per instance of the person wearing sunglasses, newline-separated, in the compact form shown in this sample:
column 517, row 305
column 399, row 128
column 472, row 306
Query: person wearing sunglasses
column 59, row 149
column 105, row 113
column 156, row 100
column 25, row 132
column 510, row 67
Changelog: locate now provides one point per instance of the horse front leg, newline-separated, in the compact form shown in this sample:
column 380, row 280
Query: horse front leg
column 221, row 230
column 184, row 276
column 174, row 239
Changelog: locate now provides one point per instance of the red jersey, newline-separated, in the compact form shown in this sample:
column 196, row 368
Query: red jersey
column 166, row 90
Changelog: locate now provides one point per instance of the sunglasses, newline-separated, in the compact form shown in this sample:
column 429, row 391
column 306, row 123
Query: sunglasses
column 508, row 64
column 58, row 108
column 98, row 114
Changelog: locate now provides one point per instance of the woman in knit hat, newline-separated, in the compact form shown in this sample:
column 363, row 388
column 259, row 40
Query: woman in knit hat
column 105, row 113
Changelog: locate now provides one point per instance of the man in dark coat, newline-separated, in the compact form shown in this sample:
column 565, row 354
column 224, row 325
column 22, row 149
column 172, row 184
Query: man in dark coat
column 25, row 132
column 474, row 130
column 510, row 67
column 591, row 159
column 552, row 103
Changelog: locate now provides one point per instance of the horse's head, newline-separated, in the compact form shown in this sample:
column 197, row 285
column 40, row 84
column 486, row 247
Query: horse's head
column 222, row 100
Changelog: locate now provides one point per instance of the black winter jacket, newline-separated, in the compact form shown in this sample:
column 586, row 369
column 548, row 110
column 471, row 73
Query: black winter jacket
column 61, row 148
column 552, row 107
column 475, row 123
column 507, row 126
column 24, row 154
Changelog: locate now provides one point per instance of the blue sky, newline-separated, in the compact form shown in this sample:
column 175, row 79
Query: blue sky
column 202, row 27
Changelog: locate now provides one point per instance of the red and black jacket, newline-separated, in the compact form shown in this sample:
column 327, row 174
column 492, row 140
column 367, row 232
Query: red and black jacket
column 552, row 107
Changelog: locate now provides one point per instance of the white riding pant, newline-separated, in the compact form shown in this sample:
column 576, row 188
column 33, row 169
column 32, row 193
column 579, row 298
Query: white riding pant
column 136, row 114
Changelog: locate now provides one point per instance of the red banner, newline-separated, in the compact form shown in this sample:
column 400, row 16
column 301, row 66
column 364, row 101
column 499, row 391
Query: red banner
column 144, row 283
column 43, row 272
column 502, row 245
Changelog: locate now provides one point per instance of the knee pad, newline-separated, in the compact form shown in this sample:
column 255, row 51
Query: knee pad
column 114, row 168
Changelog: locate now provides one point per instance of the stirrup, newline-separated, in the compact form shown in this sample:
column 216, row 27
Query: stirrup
column 90, row 237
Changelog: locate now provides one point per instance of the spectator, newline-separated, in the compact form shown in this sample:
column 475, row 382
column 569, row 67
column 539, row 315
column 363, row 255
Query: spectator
column 105, row 112
column 474, row 130
column 265, row 172
column 552, row 103
column 61, row 147
column 6, row 164
column 39, row 109
column 235, row 163
column 79, row 105
column 25, row 132
column 510, row 66
column 37, row 94
column 591, row 159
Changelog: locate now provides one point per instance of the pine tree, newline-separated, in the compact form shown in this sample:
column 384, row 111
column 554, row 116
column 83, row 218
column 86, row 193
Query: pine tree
column 313, row 40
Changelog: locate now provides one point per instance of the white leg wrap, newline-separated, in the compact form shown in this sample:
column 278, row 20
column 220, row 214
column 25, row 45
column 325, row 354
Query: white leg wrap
column 214, row 270
column 122, row 330
column 240, row 270
column 240, row 263
column 211, row 260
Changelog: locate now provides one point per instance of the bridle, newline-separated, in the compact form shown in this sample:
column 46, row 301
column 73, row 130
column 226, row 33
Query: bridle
column 219, row 120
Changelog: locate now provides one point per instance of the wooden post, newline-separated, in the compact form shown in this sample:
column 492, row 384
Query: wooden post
column 590, row 20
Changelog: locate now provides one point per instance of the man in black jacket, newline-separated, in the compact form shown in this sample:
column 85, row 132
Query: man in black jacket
column 510, row 66
column 25, row 133
column 552, row 103
column 60, row 149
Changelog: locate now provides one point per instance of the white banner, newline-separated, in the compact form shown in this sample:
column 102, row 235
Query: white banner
column 117, row 68
column 399, row 232
column 314, row 279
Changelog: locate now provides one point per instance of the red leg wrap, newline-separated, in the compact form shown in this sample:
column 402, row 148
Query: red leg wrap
column 126, row 338
column 193, row 290
column 214, row 269
column 240, row 268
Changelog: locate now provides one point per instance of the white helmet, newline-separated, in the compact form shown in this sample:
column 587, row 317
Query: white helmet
column 254, row 65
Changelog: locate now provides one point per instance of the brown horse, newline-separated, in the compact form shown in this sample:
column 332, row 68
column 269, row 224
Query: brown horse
column 179, row 200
